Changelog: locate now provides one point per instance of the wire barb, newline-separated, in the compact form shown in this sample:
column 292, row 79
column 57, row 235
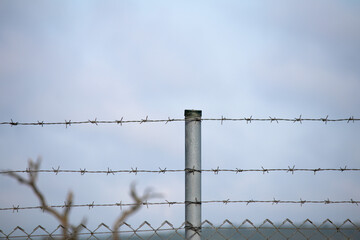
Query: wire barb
column 170, row 203
column 16, row 208
column 291, row 169
column 325, row 119
column 298, row 120
column 120, row 121
column 66, row 204
column 249, row 201
column 110, row 171
column 226, row 201
column 264, row 170
column 12, row 123
column 144, row 120
column 354, row 202
column 91, row 205
column 146, row 203
column 222, row 119
column 67, row 123
column 216, row 171
column 275, row 201
column 119, row 204
column 135, row 171
column 192, row 170
column 316, row 170
column 93, row 122
column 162, row 170
column 56, row 171
column 351, row 119
column 248, row 120
column 273, row 119
column 169, row 120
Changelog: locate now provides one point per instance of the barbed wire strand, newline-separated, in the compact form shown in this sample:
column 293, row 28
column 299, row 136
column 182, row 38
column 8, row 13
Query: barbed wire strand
column 16, row 208
column 216, row 171
column 147, row 120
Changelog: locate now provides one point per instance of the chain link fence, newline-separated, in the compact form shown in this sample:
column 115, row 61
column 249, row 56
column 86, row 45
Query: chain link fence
column 227, row 230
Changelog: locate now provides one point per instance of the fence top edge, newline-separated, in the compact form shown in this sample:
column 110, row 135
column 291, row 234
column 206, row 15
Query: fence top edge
column 103, row 228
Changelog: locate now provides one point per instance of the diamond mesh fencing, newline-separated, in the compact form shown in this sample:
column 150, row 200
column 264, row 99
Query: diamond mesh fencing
column 227, row 230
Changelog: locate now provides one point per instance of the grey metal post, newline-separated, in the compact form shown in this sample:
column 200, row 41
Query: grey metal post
column 192, row 174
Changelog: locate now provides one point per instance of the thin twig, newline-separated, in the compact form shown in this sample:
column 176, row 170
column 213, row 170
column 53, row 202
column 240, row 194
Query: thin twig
column 63, row 218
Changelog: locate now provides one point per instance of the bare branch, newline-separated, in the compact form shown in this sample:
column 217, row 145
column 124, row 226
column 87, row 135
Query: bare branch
column 139, row 201
column 62, row 218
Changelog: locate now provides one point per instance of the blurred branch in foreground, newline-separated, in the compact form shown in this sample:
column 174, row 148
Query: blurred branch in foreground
column 139, row 201
column 70, row 232
column 63, row 217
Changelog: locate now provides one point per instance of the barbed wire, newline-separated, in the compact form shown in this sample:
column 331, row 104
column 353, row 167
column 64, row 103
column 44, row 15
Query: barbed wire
column 250, row 119
column 286, row 229
column 16, row 208
column 216, row 171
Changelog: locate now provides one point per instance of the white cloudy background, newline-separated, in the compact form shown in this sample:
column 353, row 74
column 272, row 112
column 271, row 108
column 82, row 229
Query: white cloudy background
column 80, row 60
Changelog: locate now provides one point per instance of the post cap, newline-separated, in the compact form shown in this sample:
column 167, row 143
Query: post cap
column 192, row 113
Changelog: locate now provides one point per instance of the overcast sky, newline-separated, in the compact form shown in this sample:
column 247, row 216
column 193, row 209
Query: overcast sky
column 80, row 60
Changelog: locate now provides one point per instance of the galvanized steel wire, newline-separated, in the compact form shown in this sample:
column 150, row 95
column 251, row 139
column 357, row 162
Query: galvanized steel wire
column 16, row 208
column 216, row 171
column 121, row 121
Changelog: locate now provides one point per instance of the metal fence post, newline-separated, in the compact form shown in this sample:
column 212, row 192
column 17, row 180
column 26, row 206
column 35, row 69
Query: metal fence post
column 193, row 174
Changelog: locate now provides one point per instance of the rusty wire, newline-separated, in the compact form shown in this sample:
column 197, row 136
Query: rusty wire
column 226, row 230
column 216, row 171
column 250, row 119
column 16, row 208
